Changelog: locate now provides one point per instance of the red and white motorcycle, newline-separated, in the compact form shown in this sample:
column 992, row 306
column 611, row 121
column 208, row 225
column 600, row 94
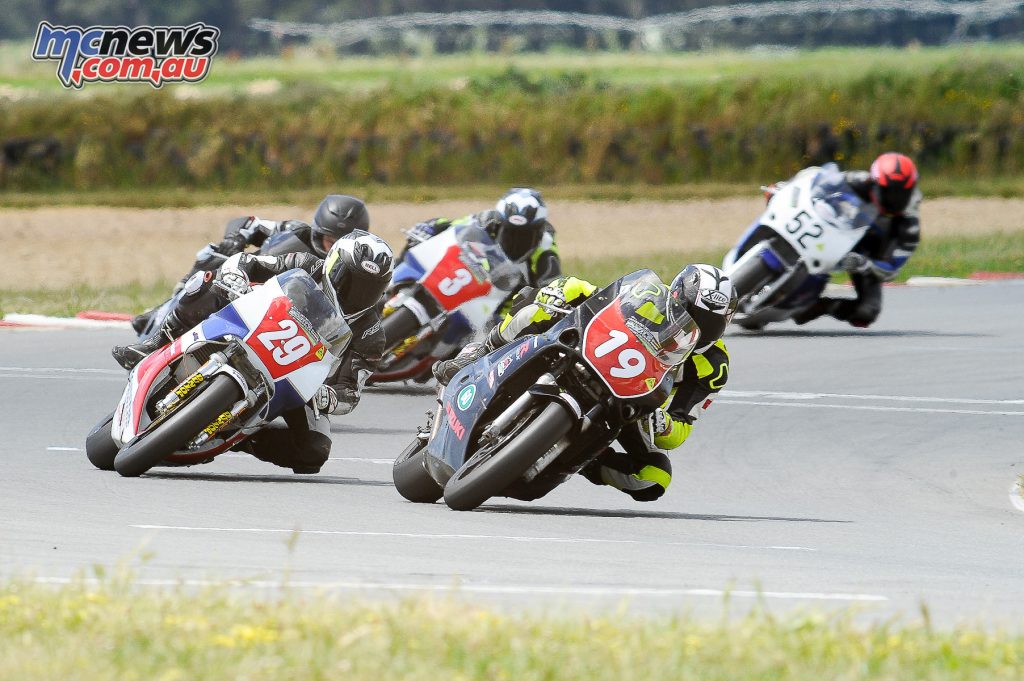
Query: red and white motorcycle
column 444, row 293
column 264, row 353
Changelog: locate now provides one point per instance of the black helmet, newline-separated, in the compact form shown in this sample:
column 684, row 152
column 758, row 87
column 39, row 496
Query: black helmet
column 336, row 216
column 705, row 294
column 357, row 271
column 521, row 227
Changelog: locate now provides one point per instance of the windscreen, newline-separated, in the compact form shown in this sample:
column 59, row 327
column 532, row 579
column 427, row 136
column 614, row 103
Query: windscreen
column 313, row 304
column 482, row 253
column 836, row 203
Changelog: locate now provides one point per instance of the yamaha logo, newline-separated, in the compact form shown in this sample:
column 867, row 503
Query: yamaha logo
column 371, row 267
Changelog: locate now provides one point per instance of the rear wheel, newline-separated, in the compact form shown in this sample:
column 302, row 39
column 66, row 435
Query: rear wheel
column 411, row 477
column 170, row 436
column 479, row 480
column 100, row 446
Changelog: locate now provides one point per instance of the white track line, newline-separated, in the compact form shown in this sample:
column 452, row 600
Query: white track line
column 389, row 462
column 69, row 370
column 499, row 589
column 880, row 398
column 922, row 410
column 63, row 449
column 513, row 538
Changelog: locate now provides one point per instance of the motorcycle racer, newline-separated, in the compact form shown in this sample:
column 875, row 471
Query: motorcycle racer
column 336, row 216
column 701, row 293
column 518, row 224
column 891, row 187
column 354, row 275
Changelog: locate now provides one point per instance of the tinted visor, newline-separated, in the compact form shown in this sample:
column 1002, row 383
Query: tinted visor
column 519, row 241
column 894, row 198
column 357, row 291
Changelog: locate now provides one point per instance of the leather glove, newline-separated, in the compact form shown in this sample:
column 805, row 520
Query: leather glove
column 659, row 422
column 326, row 399
column 855, row 263
column 231, row 277
column 553, row 297
column 420, row 232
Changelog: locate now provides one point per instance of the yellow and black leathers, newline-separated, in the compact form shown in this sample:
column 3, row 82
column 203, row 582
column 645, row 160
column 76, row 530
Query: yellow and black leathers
column 643, row 471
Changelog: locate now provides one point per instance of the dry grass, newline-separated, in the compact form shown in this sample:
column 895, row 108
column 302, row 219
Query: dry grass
column 54, row 248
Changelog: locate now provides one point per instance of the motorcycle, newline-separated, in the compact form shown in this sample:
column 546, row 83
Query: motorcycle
column 525, row 418
column 264, row 353
column 278, row 243
column 445, row 292
column 783, row 262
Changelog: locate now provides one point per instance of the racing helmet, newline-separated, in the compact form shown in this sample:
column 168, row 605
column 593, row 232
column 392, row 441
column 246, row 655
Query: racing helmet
column 357, row 271
column 894, row 177
column 523, row 217
column 706, row 295
column 336, row 216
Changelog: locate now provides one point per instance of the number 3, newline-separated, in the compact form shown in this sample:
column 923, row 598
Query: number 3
column 452, row 285
column 631, row 362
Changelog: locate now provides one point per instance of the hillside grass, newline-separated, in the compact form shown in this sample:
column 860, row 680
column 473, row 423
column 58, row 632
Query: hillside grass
column 951, row 257
column 112, row 629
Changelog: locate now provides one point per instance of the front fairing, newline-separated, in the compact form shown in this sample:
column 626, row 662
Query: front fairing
column 469, row 394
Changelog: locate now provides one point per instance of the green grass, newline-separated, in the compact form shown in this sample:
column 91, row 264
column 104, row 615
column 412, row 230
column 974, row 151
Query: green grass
column 116, row 630
column 951, row 257
column 300, row 68
column 184, row 197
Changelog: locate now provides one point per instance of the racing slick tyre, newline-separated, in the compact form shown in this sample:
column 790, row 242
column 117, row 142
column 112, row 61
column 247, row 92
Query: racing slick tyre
column 100, row 447
column 398, row 326
column 751, row 276
column 411, row 478
column 479, row 480
column 151, row 448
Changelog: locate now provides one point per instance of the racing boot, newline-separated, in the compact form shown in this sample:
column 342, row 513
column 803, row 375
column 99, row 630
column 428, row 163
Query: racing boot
column 128, row 356
column 141, row 321
column 445, row 370
column 824, row 306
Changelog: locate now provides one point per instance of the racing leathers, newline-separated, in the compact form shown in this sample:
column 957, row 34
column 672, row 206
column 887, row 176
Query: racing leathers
column 643, row 470
column 542, row 266
column 304, row 444
column 876, row 258
column 239, row 234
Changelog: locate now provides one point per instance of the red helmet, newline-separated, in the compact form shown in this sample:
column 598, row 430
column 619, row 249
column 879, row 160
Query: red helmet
column 895, row 177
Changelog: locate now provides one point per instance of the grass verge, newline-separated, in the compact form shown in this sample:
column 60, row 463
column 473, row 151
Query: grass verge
column 949, row 257
column 183, row 197
column 117, row 630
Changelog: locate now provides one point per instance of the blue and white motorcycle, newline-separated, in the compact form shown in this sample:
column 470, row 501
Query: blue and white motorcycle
column 781, row 265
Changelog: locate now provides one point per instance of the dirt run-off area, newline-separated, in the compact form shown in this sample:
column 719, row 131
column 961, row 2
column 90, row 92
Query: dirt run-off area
column 56, row 247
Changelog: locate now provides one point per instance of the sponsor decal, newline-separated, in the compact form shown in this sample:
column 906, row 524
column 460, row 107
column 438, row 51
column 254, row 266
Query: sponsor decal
column 644, row 335
column 650, row 383
column 707, row 403
column 504, row 364
column 371, row 267
column 490, row 378
column 320, row 352
column 453, row 421
column 522, row 349
column 195, row 336
column 716, row 299
column 122, row 54
column 306, row 325
column 212, row 429
column 517, row 220
column 466, row 397
column 188, row 386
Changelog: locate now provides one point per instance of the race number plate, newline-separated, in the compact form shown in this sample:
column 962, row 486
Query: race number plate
column 281, row 343
column 452, row 283
column 624, row 364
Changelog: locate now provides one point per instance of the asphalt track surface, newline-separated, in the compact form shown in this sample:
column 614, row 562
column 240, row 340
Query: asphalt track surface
column 841, row 467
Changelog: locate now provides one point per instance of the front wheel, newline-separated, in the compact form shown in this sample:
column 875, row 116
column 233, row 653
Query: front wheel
column 411, row 477
column 752, row 274
column 478, row 481
column 151, row 448
column 398, row 326
column 100, row 446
